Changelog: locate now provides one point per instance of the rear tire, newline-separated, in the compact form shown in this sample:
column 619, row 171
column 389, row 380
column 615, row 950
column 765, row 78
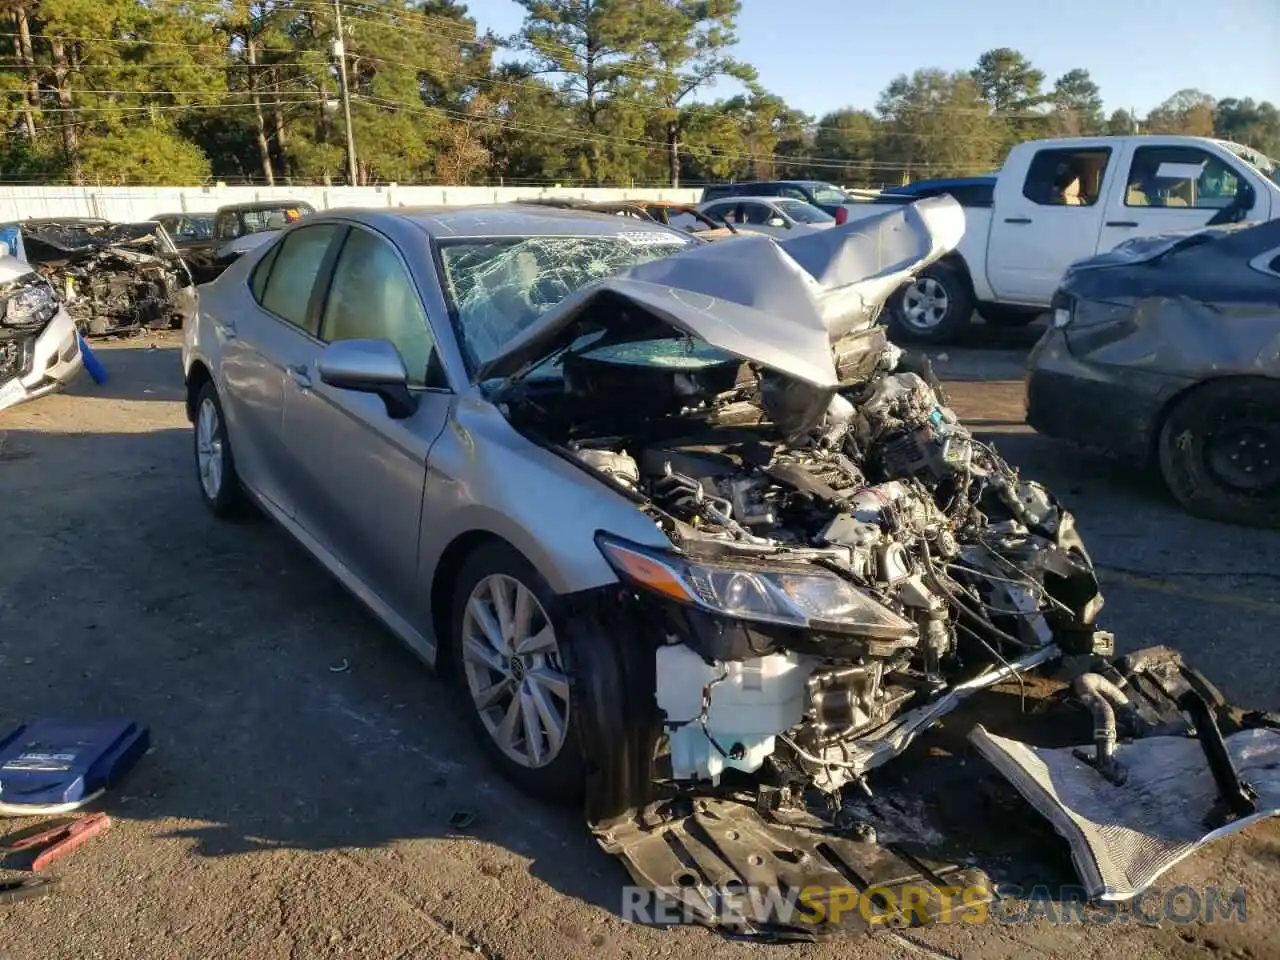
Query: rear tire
column 1219, row 451
column 934, row 308
column 216, row 474
column 509, row 666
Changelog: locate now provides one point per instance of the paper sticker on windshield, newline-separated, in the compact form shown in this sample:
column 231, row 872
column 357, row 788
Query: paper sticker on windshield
column 643, row 238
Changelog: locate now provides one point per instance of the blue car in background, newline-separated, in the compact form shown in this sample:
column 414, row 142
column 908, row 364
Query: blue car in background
column 968, row 191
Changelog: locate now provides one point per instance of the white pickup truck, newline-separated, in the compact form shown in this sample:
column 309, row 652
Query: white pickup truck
column 1058, row 201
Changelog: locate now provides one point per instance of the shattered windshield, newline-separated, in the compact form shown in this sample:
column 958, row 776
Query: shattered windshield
column 1261, row 163
column 499, row 286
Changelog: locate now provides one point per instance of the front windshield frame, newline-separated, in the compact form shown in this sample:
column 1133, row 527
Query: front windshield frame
column 668, row 238
column 829, row 193
column 1259, row 163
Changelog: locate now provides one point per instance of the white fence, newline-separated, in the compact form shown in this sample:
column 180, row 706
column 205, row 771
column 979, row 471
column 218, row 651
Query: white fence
column 142, row 203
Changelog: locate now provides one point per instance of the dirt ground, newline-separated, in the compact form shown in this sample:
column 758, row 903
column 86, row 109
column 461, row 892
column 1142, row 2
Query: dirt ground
column 305, row 767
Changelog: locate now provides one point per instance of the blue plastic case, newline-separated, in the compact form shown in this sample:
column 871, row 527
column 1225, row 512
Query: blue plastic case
column 53, row 764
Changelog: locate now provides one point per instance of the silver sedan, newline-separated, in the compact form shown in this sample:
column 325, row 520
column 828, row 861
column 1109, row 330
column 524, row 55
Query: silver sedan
column 449, row 409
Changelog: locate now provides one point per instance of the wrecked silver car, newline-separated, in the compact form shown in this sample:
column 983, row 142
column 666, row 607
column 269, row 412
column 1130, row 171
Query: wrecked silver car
column 698, row 545
column 1164, row 350
column 114, row 277
column 39, row 350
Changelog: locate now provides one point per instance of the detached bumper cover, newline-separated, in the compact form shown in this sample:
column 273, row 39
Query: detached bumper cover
column 1123, row 837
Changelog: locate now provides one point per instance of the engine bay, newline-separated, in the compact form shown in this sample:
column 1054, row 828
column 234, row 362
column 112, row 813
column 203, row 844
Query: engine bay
column 959, row 563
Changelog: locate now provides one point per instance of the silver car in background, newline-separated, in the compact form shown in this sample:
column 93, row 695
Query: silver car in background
column 779, row 217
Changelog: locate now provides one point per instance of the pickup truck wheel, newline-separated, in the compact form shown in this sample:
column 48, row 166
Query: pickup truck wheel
column 934, row 307
column 998, row 316
column 1219, row 451
column 511, row 668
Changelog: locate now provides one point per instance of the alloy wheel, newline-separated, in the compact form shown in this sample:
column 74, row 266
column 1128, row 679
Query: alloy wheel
column 209, row 448
column 514, row 671
column 925, row 303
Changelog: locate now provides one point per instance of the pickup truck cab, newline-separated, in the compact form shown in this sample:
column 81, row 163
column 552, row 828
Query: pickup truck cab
column 1059, row 201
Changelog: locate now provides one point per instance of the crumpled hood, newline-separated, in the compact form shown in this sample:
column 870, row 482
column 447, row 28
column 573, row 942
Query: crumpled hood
column 1144, row 249
column 779, row 304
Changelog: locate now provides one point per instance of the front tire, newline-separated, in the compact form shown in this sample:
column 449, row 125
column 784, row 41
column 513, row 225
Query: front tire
column 510, row 668
column 1219, row 452
column 215, row 464
column 933, row 308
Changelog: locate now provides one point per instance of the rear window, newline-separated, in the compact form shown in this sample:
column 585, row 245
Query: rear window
column 826, row 193
column 715, row 193
column 804, row 212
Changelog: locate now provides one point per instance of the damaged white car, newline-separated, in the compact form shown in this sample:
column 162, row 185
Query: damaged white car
column 39, row 349
column 697, row 543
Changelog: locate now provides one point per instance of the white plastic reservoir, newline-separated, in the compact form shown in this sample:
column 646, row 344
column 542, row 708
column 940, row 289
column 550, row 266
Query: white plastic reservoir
column 751, row 702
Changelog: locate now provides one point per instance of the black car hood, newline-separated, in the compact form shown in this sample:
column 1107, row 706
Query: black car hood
column 779, row 304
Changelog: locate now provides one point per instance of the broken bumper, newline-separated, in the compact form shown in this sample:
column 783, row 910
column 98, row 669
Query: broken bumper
column 780, row 867
column 51, row 361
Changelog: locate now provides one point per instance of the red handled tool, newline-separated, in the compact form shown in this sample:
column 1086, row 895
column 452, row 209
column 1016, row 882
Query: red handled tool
column 60, row 841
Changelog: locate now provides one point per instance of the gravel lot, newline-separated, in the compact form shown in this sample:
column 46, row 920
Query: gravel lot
column 296, row 808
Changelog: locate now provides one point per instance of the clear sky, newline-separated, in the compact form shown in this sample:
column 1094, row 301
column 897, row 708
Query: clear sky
column 820, row 55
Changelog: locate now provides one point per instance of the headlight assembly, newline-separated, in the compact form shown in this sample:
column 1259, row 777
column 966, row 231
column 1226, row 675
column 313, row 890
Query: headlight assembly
column 765, row 593
column 29, row 303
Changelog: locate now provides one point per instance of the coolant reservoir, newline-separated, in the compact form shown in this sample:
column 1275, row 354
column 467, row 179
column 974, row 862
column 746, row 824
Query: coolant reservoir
column 750, row 702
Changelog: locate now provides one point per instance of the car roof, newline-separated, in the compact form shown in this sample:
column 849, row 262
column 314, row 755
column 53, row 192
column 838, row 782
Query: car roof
column 195, row 214
column 498, row 220
column 264, row 205
column 763, row 198
column 942, row 183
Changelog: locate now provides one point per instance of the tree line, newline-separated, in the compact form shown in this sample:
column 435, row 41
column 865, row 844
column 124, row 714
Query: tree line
column 588, row 92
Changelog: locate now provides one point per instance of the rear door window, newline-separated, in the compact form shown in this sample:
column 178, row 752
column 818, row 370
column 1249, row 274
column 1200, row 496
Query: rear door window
column 1066, row 178
column 288, row 290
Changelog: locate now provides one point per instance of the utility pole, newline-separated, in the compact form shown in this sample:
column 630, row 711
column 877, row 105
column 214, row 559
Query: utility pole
column 340, row 52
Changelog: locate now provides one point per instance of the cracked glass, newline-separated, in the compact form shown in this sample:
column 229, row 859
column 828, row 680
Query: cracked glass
column 498, row 287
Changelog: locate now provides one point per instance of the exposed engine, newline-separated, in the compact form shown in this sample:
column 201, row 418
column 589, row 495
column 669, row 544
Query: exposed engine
column 964, row 564
column 113, row 278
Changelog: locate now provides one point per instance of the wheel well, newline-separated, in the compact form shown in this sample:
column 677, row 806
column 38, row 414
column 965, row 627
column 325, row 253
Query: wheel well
column 955, row 261
column 1158, row 421
column 445, row 582
column 197, row 377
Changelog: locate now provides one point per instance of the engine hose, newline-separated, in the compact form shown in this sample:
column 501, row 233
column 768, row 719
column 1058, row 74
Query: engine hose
column 963, row 609
column 1086, row 687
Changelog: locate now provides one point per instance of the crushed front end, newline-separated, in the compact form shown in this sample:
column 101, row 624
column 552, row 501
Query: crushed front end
column 39, row 349
column 114, row 278
column 848, row 564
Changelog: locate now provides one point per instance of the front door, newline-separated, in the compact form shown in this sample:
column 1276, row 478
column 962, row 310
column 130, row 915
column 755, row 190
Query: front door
column 361, row 472
column 1048, row 224
column 1169, row 188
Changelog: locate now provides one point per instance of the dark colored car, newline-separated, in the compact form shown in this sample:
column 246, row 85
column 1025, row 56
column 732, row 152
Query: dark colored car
column 186, row 228
column 968, row 191
column 237, row 229
column 826, row 197
column 1165, row 349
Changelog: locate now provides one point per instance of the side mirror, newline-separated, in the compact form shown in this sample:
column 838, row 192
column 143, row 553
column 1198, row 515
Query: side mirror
column 369, row 366
column 777, row 222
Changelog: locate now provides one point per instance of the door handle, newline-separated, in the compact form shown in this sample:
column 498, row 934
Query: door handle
column 1017, row 220
column 228, row 330
column 1122, row 223
column 298, row 374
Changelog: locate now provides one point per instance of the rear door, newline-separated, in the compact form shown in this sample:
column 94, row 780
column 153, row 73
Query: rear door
column 359, row 473
column 260, row 347
column 1168, row 188
column 1049, row 220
